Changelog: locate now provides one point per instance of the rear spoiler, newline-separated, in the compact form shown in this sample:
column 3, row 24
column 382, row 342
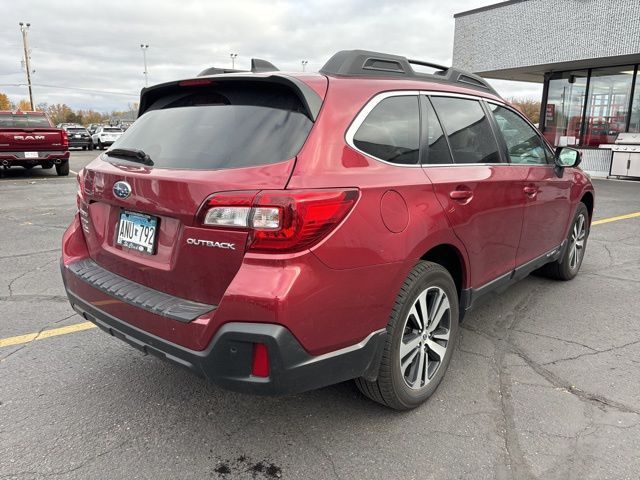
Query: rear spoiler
column 308, row 97
column 257, row 66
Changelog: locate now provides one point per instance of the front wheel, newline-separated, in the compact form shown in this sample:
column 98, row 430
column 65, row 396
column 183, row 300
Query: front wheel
column 567, row 266
column 100, row 146
column 421, row 336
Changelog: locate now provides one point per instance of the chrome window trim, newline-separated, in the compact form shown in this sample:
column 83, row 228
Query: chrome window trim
column 376, row 99
column 364, row 113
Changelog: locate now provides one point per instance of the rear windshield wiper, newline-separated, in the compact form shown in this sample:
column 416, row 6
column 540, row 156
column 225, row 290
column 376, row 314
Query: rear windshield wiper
column 133, row 154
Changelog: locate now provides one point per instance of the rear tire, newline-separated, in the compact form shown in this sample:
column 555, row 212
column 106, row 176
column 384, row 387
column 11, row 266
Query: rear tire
column 62, row 169
column 568, row 266
column 100, row 146
column 409, row 376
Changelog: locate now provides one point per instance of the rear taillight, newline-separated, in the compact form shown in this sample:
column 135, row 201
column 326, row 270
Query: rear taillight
column 83, row 208
column 65, row 139
column 279, row 220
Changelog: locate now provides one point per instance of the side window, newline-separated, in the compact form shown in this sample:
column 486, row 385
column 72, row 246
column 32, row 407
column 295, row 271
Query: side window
column 391, row 132
column 468, row 130
column 437, row 151
column 523, row 143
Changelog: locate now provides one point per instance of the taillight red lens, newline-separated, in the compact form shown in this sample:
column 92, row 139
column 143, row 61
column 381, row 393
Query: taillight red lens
column 279, row 220
column 307, row 216
column 260, row 364
column 65, row 139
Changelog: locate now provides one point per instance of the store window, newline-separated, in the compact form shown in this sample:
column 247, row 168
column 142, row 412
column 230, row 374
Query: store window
column 565, row 105
column 608, row 104
column 634, row 124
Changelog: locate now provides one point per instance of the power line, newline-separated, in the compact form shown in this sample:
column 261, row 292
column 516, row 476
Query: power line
column 89, row 90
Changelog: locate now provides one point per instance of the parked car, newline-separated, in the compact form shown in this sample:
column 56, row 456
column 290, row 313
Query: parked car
column 104, row 136
column 276, row 233
column 92, row 127
column 28, row 139
column 79, row 137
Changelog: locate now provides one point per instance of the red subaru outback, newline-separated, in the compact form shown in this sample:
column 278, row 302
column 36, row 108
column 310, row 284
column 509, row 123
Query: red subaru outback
column 276, row 232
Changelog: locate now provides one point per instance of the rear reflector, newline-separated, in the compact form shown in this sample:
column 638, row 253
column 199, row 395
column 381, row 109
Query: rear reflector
column 260, row 365
column 280, row 220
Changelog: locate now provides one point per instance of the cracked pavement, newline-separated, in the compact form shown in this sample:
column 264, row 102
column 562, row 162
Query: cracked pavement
column 544, row 382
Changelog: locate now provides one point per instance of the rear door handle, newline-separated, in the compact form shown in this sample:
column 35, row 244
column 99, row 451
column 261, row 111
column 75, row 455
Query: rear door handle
column 461, row 194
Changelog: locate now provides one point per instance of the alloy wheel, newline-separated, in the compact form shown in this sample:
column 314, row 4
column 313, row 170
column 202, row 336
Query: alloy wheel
column 578, row 237
column 425, row 337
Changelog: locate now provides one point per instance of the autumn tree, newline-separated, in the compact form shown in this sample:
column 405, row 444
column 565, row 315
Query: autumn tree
column 530, row 108
column 24, row 105
column 5, row 103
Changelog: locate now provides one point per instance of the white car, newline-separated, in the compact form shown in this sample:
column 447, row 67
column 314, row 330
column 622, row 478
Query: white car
column 105, row 136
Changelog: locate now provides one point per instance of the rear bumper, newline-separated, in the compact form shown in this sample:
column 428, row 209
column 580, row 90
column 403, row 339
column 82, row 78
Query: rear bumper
column 79, row 142
column 18, row 158
column 227, row 361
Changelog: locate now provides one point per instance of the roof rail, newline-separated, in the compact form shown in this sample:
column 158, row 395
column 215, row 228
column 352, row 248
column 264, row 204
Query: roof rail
column 257, row 66
column 362, row 63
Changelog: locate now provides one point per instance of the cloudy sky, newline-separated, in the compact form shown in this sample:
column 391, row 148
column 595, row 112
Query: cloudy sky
column 87, row 54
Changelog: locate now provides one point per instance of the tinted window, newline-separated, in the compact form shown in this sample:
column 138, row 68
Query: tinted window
column 524, row 145
column 391, row 132
column 231, row 125
column 468, row 129
column 23, row 121
column 437, row 150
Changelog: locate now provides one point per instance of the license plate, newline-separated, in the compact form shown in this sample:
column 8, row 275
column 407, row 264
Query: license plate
column 78, row 136
column 137, row 232
column 30, row 154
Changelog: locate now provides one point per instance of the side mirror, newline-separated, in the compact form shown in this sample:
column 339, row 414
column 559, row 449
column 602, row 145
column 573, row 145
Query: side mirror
column 567, row 157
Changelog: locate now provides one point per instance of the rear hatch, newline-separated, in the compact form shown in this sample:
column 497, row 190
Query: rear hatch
column 193, row 139
column 20, row 132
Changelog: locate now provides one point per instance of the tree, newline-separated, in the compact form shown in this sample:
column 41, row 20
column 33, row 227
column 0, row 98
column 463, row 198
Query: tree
column 24, row 105
column 530, row 108
column 5, row 104
column 59, row 112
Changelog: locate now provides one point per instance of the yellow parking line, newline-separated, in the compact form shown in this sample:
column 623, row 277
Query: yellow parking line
column 615, row 219
column 54, row 332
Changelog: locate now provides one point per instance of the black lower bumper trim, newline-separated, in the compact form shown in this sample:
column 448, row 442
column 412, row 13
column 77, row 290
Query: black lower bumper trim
column 227, row 360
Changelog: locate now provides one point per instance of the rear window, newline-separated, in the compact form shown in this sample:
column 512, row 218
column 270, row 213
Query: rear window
column 230, row 125
column 76, row 130
column 112, row 129
column 23, row 121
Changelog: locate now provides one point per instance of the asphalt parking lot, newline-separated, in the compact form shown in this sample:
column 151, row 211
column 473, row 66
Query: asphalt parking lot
column 545, row 382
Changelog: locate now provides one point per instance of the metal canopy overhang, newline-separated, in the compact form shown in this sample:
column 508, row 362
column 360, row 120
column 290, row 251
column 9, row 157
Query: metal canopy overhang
column 535, row 73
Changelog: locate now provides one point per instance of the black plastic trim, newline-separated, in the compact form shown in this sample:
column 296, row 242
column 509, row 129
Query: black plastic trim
column 227, row 360
column 363, row 63
column 309, row 98
column 470, row 297
column 138, row 295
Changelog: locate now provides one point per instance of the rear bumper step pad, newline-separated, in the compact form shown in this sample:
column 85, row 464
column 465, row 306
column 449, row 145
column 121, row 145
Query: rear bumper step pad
column 138, row 295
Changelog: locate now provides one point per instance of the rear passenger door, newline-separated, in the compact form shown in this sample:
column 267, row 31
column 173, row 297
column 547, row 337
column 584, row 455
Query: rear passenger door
column 547, row 204
column 481, row 195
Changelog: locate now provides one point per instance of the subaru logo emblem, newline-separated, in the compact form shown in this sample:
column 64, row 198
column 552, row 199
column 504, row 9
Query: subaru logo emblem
column 121, row 189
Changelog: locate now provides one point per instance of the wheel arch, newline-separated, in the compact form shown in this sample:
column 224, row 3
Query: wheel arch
column 587, row 199
column 451, row 258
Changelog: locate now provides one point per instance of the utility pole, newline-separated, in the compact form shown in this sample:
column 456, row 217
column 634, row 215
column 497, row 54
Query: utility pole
column 304, row 64
column 233, row 60
column 24, row 28
column 144, row 59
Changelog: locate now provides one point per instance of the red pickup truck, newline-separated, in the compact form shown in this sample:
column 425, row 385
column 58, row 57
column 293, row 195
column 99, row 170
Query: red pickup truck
column 28, row 139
